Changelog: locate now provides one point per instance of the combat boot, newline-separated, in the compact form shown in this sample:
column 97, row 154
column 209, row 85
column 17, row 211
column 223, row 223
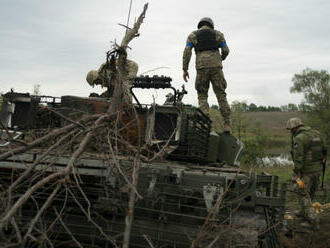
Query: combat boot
column 315, row 223
column 306, row 224
column 299, row 213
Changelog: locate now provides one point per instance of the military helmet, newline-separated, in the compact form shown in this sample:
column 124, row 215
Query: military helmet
column 91, row 77
column 205, row 20
column 293, row 122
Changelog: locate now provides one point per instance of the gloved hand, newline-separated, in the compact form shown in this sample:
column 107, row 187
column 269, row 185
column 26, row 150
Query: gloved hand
column 300, row 183
column 294, row 178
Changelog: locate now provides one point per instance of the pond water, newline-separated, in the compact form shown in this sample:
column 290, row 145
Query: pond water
column 280, row 160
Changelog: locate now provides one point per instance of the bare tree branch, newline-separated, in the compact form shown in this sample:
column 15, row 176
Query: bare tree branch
column 67, row 229
column 41, row 211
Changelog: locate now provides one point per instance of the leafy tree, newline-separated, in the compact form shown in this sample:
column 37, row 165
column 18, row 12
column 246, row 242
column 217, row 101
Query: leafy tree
column 261, row 108
column 239, row 123
column 235, row 106
column 284, row 108
column 292, row 107
column 254, row 145
column 215, row 107
column 302, row 107
column 273, row 109
column 252, row 107
column 244, row 107
column 315, row 85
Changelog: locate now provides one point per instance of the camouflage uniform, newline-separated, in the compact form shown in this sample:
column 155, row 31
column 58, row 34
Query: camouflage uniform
column 209, row 69
column 103, row 74
column 308, row 150
column 131, row 68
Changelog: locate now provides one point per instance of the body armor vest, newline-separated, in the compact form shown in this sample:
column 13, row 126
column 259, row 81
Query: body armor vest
column 206, row 40
column 316, row 146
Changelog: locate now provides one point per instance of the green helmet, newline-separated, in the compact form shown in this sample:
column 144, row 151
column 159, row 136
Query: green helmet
column 91, row 77
column 205, row 21
column 293, row 122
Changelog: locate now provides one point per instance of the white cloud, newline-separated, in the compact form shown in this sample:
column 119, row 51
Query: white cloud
column 57, row 43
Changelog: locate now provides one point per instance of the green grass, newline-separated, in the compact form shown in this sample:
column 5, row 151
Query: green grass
column 284, row 173
column 274, row 122
column 271, row 144
column 269, row 125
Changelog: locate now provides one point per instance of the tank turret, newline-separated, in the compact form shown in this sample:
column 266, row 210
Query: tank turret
column 197, row 181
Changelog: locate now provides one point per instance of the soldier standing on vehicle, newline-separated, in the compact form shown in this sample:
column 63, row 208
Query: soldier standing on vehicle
column 308, row 154
column 206, row 41
column 103, row 74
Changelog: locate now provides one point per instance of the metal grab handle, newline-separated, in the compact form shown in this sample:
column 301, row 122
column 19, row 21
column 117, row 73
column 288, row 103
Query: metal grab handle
column 154, row 82
column 135, row 98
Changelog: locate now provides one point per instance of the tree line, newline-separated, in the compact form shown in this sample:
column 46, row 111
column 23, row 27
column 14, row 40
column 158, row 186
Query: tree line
column 252, row 107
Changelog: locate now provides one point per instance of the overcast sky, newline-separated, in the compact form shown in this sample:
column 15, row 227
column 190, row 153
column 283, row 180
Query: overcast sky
column 55, row 43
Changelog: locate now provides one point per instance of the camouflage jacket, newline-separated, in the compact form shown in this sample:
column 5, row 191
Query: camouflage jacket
column 308, row 150
column 205, row 59
column 105, row 73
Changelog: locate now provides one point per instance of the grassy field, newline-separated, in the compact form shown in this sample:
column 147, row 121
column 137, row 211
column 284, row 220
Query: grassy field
column 272, row 121
column 284, row 172
column 268, row 126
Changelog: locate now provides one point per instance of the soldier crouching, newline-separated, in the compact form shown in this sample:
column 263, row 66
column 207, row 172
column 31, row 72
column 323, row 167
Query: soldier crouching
column 103, row 75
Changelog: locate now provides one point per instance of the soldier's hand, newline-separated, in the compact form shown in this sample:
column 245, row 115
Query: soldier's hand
column 294, row 178
column 185, row 76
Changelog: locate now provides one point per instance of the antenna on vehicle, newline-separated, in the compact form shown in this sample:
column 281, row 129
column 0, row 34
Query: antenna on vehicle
column 129, row 14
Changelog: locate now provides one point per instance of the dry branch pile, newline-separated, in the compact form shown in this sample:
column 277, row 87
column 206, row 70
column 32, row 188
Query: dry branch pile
column 48, row 189
column 51, row 203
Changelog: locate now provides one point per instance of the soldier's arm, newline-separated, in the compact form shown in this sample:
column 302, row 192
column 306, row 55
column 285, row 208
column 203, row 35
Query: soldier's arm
column 187, row 53
column 298, row 154
column 102, row 71
column 102, row 67
column 222, row 45
column 104, row 75
column 132, row 69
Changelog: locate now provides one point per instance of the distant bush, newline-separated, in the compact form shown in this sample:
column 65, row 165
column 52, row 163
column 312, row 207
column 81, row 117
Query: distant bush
column 215, row 107
column 254, row 146
column 244, row 107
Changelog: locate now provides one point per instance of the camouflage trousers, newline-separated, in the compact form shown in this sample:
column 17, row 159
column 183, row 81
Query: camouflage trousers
column 219, row 84
column 306, row 195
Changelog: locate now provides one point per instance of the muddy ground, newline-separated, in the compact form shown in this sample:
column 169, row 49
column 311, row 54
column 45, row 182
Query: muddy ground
column 297, row 235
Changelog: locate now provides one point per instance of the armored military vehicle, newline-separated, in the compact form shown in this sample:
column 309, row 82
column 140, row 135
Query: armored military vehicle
column 193, row 196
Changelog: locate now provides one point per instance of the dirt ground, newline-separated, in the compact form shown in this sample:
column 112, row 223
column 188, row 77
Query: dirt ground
column 297, row 236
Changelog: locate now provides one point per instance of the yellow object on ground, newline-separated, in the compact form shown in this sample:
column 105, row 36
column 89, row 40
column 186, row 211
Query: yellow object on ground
column 300, row 183
column 288, row 216
column 317, row 207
